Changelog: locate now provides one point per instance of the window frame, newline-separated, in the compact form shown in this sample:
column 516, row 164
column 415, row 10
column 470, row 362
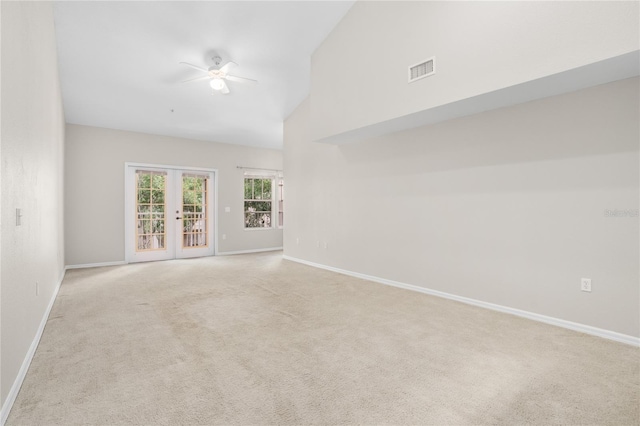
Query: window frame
column 272, row 201
column 279, row 179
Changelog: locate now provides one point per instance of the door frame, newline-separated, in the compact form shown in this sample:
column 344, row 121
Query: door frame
column 128, row 203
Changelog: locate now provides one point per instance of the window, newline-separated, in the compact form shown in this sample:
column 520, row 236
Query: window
column 280, row 201
column 150, row 208
column 258, row 202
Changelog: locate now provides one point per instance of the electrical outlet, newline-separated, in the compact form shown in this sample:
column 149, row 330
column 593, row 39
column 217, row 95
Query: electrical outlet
column 585, row 284
column 297, row 240
column 37, row 288
column 326, row 245
column 224, row 236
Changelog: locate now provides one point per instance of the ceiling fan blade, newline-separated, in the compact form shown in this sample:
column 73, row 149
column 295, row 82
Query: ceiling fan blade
column 204, row 77
column 224, row 89
column 194, row 66
column 240, row 79
column 225, row 68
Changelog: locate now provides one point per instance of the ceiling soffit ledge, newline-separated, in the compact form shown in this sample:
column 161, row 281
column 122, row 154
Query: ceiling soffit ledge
column 601, row 72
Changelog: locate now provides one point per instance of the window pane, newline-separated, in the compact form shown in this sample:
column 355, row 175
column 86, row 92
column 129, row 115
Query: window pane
column 143, row 180
column 280, row 195
column 158, row 181
column 150, row 242
column 158, row 241
column 198, row 225
column 157, row 226
column 195, row 239
column 248, row 189
column 188, row 183
column 158, row 208
column 199, row 198
column 264, row 219
column 250, row 220
column 257, row 220
column 257, row 189
column 144, row 227
column 143, row 243
column 266, row 189
column 144, row 196
column 257, row 206
column 158, row 197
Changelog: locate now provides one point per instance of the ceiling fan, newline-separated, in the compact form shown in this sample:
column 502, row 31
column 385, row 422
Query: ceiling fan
column 218, row 74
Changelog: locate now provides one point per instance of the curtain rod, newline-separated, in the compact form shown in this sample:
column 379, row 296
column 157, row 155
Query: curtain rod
column 256, row 168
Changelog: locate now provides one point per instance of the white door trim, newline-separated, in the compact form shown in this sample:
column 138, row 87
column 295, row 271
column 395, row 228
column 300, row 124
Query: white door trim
column 127, row 202
column 180, row 251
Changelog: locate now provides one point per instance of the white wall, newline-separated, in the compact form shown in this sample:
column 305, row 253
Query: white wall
column 359, row 73
column 506, row 207
column 94, row 201
column 32, row 179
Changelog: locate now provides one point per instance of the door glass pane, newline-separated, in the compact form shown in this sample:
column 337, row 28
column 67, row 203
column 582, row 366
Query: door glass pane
column 194, row 223
column 150, row 208
column 158, row 241
column 159, row 182
column 143, row 179
column 157, row 197
column 143, row 211
column 144, row 196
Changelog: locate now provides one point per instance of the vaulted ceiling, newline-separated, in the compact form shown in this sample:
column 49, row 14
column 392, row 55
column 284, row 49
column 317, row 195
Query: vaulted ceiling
column 119, row 65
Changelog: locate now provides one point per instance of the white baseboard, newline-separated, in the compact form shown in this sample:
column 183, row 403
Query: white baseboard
column 227, row 253
column 13, row 392
column 96, row 265
column 122, row 262
column 594, row 331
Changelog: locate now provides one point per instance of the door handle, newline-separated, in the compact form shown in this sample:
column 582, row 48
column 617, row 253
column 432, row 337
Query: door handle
column 178, row 218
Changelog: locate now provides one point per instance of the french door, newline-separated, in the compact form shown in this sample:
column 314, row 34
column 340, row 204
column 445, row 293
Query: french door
column 169, row 213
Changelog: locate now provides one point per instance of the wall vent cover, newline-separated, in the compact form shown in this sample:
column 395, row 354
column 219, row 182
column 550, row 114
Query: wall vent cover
column 422, row 69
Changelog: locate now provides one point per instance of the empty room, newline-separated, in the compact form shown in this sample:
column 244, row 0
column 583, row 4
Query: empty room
column 320, row 212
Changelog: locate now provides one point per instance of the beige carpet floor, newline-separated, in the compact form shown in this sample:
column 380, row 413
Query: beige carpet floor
column 255, row 339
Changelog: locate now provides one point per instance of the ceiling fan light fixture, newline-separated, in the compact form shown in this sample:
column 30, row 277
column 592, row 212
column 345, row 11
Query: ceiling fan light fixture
column 217, row 75
column 216, row 84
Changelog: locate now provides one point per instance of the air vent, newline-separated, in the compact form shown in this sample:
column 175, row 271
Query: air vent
column 422, row 70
